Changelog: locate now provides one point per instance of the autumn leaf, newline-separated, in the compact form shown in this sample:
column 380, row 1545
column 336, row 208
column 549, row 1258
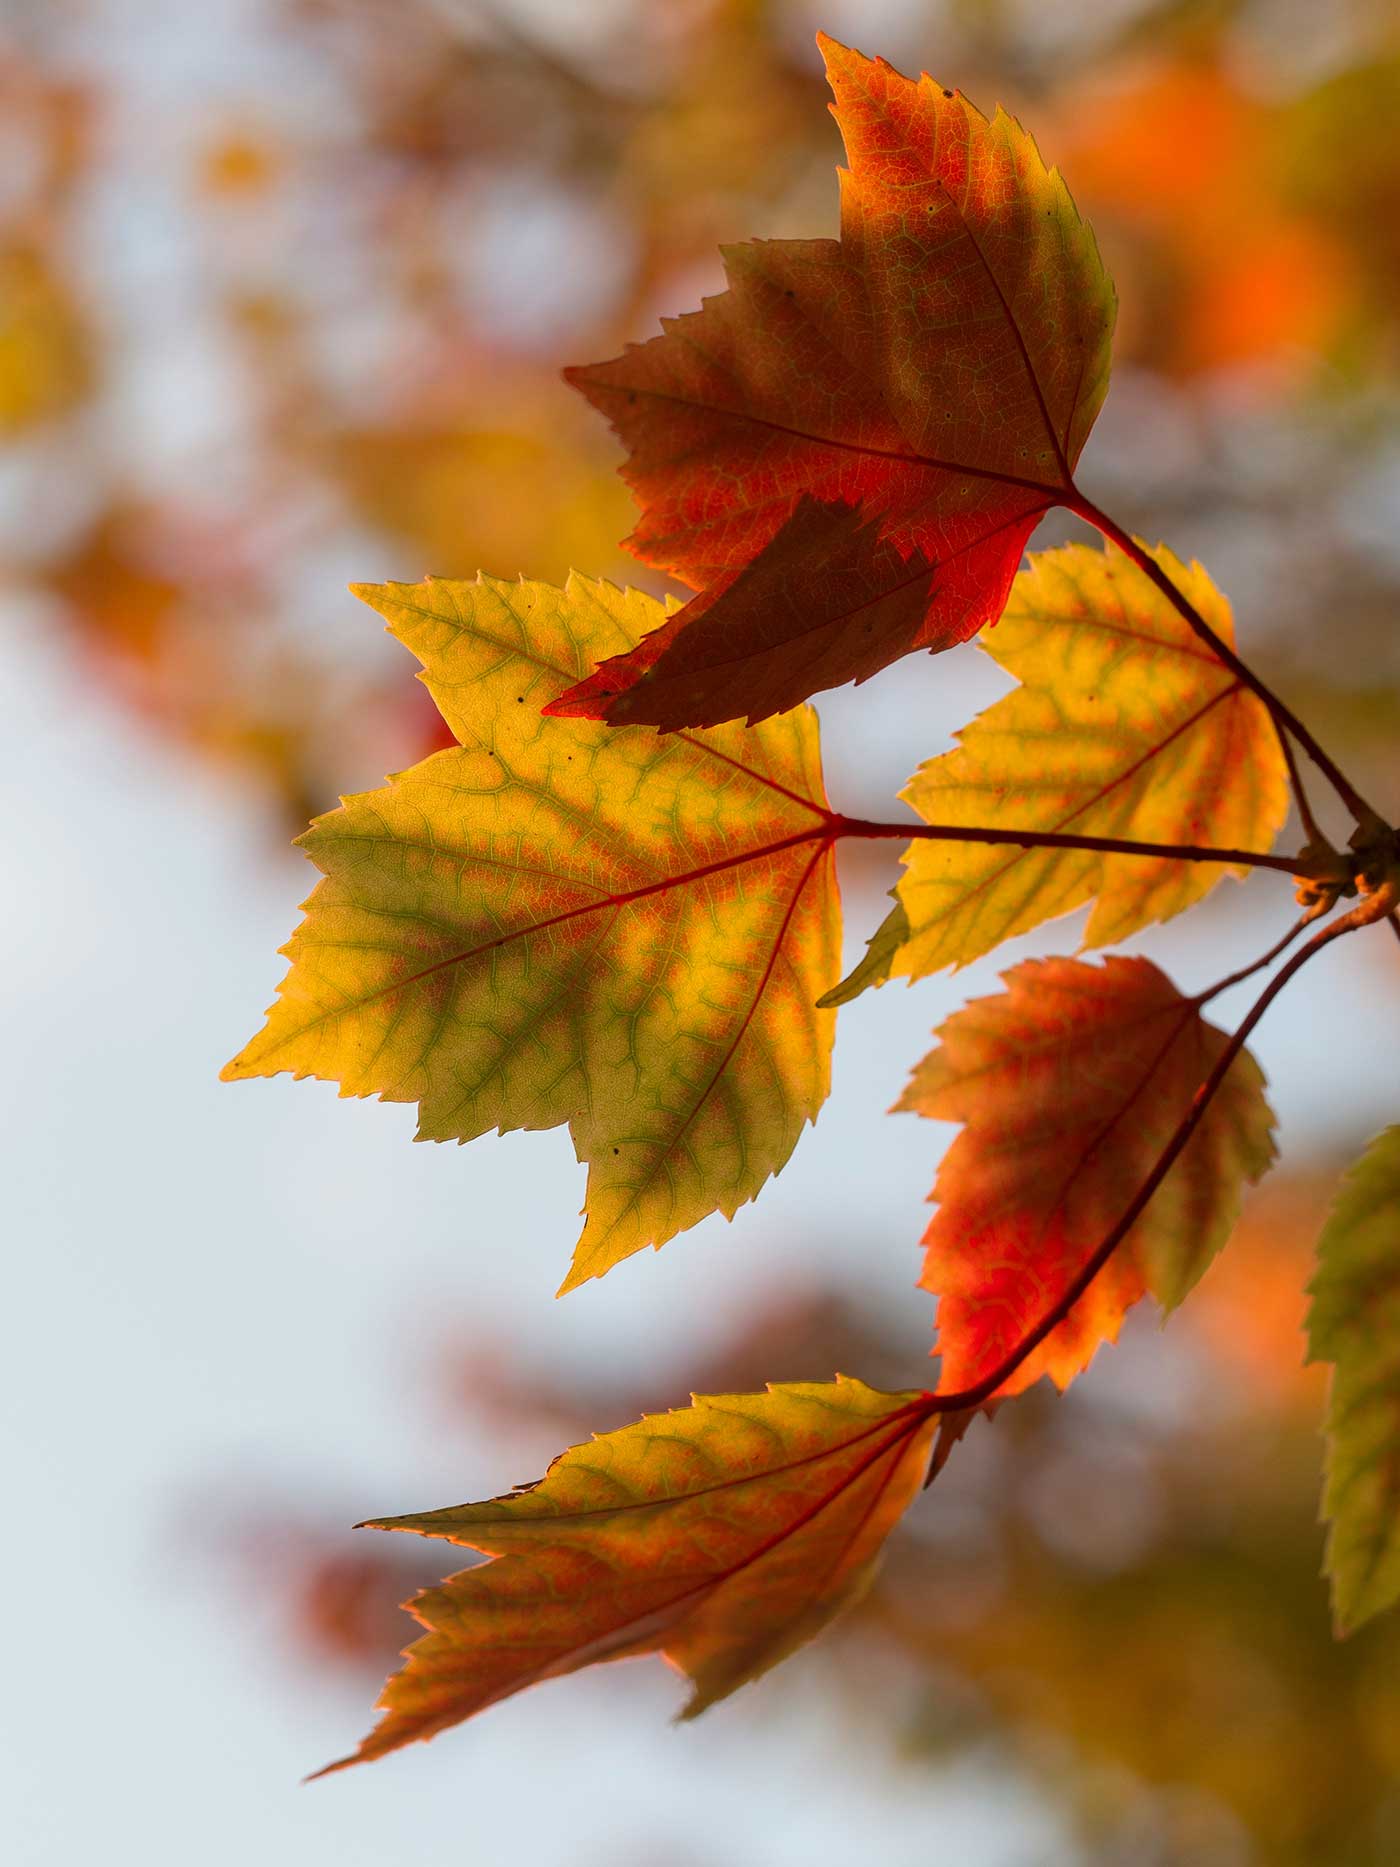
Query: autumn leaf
column 741, row 664
column 1123, row 726
column 722, row 1536
column 1354, row 1323
column 1070, row 1085
column 552, row 923
column 846, row 452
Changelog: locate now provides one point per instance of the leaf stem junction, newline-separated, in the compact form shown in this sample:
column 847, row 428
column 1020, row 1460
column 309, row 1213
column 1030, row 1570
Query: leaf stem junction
column 1283, row 715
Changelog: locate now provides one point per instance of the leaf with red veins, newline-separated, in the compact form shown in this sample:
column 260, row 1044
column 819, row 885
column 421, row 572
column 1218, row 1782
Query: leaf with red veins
column 552, row 924
column 872, row 426
column 1122, row 726
column 722, row 1535
column 1070, row 1085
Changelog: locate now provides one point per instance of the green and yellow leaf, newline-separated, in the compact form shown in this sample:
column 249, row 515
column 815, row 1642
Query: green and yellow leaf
column 1354, row 1323
column 553, row 923
column 722, row 1536
column 1123, row 725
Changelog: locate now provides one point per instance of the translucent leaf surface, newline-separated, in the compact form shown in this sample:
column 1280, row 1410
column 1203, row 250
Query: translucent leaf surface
column 722, row 1536
column 1122, row 725
column 846, row 452
column 553, row 923
column 1069, row 1085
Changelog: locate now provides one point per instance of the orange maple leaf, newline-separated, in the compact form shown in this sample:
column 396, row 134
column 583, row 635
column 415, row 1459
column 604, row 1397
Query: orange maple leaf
column 722, row 1535
column 1071, row 1084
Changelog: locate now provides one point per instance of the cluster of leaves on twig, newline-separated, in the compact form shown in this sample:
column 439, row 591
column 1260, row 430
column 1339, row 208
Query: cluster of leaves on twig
column 612, row 905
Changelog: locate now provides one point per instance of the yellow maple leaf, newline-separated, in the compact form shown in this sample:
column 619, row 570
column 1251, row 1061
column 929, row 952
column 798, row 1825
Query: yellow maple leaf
column 1124, row 725
column 553, row 923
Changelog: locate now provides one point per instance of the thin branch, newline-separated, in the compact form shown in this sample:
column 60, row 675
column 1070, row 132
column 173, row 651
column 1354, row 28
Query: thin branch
column 1295, row 779
column 1282, row 714
column 1365, row 912
column 1062, row 839
column 1394, row 920
column 1247, row 972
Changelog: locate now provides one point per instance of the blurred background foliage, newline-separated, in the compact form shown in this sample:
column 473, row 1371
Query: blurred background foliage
column 252, row 352
column 247, row 355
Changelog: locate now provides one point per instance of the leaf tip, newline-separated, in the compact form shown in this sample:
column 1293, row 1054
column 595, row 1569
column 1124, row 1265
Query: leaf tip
column 691, row 1709
column 575, row 704
column 328, row 1769
column 577, row 1276
column 240, row 1068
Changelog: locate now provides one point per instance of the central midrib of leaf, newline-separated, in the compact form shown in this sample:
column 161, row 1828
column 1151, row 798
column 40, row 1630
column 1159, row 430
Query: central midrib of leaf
column 655, row 1618
column 1184, row 1015
column 818, row 834
column 1063, row 823
column 674, row 1141
column 904, row 1416
column 1051, row 435
column 1067, row 481
column 907, row 1424
column 863, row 447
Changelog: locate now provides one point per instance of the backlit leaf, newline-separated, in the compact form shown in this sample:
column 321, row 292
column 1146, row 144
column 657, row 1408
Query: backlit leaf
column 1070, row 1084
column 846, row 452
column 1354, row 1322
column 553, row 923
column 1123, row 725
column 721, row 1536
